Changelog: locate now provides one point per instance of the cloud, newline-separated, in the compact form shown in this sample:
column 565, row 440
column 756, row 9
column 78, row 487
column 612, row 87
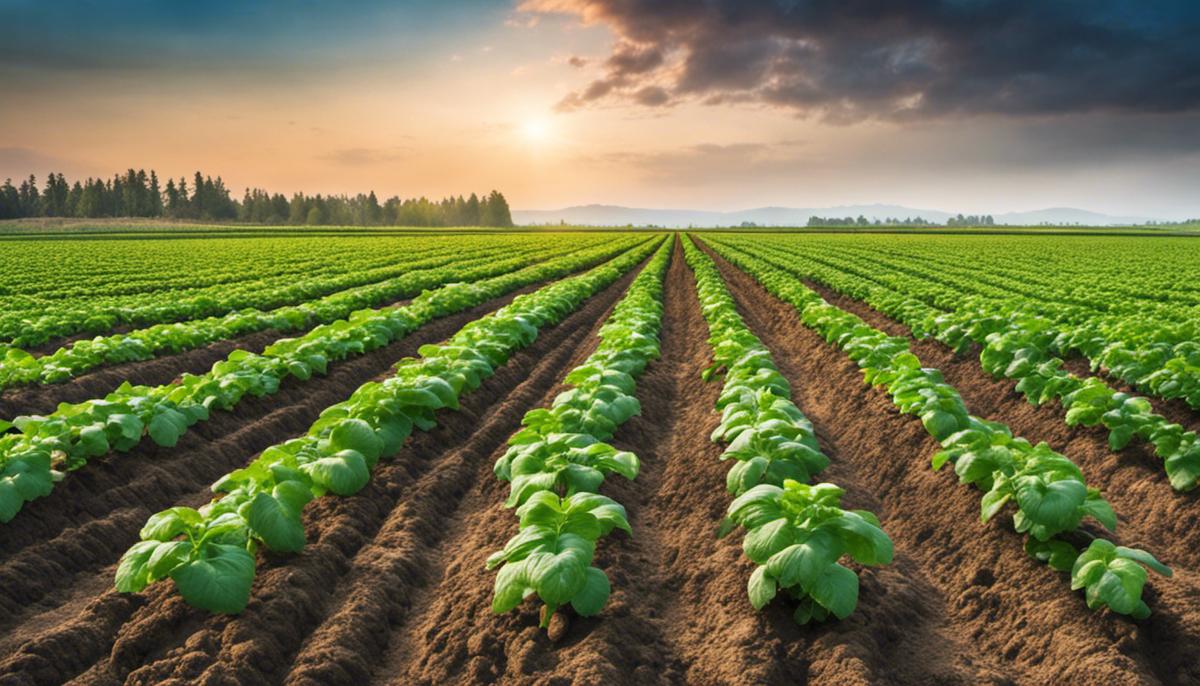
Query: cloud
column 652, row 96
column 577, row 61
column 624, row 67
column 522, row 22
column 364, row 156
column 849, row 60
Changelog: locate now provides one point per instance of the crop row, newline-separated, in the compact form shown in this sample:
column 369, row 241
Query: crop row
column 795, row 532
column 1049, row 492
column 44, row 322
column 37, row 279
column 557, row 463
column 32, row 461
column 1152, row 344
column 1021, row 347
column 33, row 321
column 18, row 367
column 209, row 552
column 1083, row 279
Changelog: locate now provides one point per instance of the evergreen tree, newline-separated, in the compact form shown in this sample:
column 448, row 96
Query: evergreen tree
column 10, row 201
column 298, row 210
column 373, row 211
column 197, row 207
column 136, row 193
column 494, row 211
column 92, row 201
column 472, row 215
column 28, row 198
column 155, row 196
column 73, row 198
column 279, row 209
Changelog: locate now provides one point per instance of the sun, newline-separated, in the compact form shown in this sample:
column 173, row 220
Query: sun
column 536, row 130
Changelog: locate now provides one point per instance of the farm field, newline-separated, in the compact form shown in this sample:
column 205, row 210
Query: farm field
column 599, row 457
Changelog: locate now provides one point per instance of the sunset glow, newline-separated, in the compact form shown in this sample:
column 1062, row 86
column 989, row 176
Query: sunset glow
column 423, row 98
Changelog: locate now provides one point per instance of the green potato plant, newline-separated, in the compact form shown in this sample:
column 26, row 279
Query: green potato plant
column 1049, row 492
column 558, row 461
column 204, row 551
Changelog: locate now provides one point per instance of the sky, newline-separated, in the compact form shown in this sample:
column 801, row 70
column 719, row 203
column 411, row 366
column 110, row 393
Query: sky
column 974, row 106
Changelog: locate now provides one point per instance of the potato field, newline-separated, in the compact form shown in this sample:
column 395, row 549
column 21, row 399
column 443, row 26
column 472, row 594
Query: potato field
column 599, row 457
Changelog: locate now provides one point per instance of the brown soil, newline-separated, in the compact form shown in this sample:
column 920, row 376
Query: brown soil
column 154, row 636
column 44, row 398
column 1006, row 603
column 1153, row 515
column 1174, row 409
column 56, row 343
column 392, row 588
column 94, row 514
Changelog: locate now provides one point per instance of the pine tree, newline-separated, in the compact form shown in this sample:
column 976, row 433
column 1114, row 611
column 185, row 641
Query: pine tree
column 28, row 198
column 10, row 201
column 73, row 198
column 156, row 198
column 472, row 215
column 494, row 211
column 298, row 210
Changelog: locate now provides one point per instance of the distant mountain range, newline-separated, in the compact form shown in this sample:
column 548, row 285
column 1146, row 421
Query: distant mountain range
column 614, row 215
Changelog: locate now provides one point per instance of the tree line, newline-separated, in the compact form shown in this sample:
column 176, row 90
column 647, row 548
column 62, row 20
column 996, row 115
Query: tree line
column 138, row 194
column 860, row 220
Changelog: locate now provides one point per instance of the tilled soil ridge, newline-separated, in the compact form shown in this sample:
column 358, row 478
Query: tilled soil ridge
column 1153, row 515
column 392, row 587
column 44, row 398
column 154, row 637
column 57, row 545
column 679, row 611
column 1008, row 604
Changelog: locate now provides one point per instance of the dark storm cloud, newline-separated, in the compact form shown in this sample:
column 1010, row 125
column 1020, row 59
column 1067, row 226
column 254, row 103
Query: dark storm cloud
column 855, row 59
column 622, row 68
column 652, row 96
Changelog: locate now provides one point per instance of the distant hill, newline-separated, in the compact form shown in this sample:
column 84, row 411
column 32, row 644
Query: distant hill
column 615, row 215
column 1067, row 215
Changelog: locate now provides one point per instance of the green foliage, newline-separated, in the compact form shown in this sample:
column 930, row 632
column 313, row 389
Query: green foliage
column 795, row 533
column 1145, row 335
column 1050, row 495
column 360, row 283
column 78, row 432
column 558, row 461
column 261, row 504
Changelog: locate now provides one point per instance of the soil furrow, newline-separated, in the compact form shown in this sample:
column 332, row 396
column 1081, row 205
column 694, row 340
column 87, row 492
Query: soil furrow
column 1175, row 409
column 166, row 639
column 44, row 398
column 1152, row 514
column 86, row 521
column 448, row 633
column 1002, row 601
column 392, row 586
column 678, row 613
column 384, row 589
